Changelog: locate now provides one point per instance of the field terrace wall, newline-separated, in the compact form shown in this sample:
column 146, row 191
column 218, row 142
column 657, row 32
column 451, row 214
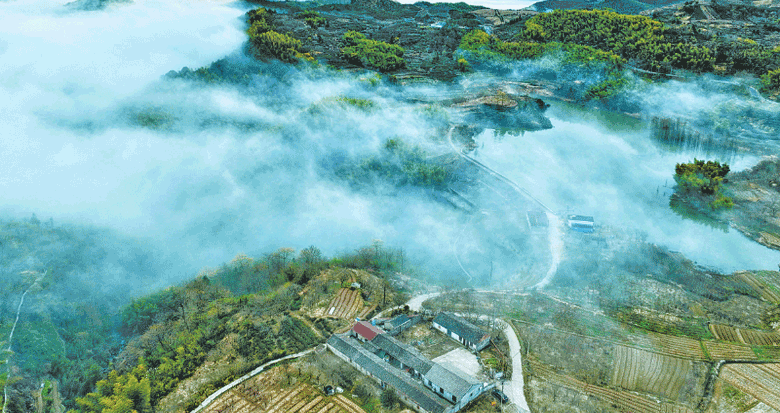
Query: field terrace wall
column 411, row 392
column 471, row 336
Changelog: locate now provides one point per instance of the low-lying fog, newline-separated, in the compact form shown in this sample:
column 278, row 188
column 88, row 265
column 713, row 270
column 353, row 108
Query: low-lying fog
column 91, row 133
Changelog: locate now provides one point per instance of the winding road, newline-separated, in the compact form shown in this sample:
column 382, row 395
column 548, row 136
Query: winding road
column 11, row 336
column 555, row 236
column 515, row 388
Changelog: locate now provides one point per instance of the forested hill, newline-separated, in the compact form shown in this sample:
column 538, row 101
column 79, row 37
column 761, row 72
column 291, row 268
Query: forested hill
column 82, row 343
column 75, row 279
column 187, row 341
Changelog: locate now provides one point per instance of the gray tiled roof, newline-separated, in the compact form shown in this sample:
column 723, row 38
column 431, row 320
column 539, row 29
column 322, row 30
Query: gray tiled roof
column 451, row 379
column 397, row 321
column 388, row 374
column 460, row 326
column 403, row 352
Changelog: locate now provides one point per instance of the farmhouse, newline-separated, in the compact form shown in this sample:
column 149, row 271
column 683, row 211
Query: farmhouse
column 453, row 384
column 461, row 330
column 427, row 386
column 365, row 331
column 411, row 391
column 581, row 223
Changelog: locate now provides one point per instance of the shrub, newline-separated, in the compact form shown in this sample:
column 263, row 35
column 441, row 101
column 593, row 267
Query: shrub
column 373, row 54
column 771, row 80
column 276, row 45
column 463, row 65
column 698, row 175
column 312, row 18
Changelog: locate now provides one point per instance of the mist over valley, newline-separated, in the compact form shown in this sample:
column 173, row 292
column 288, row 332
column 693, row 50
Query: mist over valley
column 194, row 189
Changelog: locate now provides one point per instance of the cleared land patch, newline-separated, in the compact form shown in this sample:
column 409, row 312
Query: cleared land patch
column 640, row 370
column 761, row 381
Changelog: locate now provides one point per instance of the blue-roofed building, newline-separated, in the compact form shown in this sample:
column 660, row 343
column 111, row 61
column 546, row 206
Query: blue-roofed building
column 581, row 223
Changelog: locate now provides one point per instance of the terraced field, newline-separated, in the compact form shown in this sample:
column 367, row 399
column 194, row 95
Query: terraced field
column 256, row 397
column 760, row 287
column 761, row 381
column 346, row 304
column 644, row 371
column 745, row 336
column 625, row 401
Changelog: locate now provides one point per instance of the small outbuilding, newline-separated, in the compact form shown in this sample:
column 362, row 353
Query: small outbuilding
column 455, row 326
column 365, row 331
column 581, row 223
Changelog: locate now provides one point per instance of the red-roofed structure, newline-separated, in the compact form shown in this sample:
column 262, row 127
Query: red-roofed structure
column 365, row 331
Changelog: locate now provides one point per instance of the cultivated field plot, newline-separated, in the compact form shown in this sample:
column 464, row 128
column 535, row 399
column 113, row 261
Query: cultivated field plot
column 761, row 381
column 729, row 352
column 649, row 372
column 346, row 304
column 678, row 346
column 625, row 401
column 745, row 336
column 761, row 287
column 254, row 396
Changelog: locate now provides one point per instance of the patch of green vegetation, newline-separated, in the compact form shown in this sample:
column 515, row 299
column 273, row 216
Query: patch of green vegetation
column 460, row 6
column 372, row 54
column 767, row 353
column 629, row 36
column 704, row 178
column 365, row 105
column 771, row 81
column 267, row 43
column 483, row 46
column 606, row 88
column 737, row 398
column 312, row 18
column 154, row 118
column 463, row 65
column 276, row 45
column 399, row 163
column 691, row 328
column 745, row 55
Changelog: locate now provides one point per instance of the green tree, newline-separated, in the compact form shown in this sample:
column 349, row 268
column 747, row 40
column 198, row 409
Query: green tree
column 388, row 398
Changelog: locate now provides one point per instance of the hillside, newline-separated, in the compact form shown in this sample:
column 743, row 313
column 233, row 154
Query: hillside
column 186, row 341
